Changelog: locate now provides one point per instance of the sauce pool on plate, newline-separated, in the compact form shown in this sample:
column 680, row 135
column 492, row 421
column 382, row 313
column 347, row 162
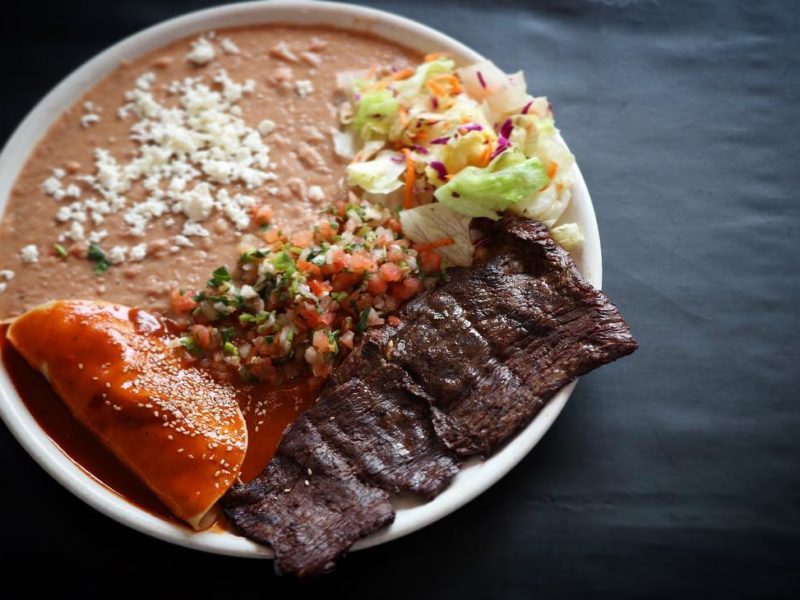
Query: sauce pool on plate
column 268, row 412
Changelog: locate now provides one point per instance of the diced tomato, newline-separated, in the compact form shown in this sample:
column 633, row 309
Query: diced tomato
column 344, row 281
column 326, row 231
column 391, row 272
column 376, row 284
column 319, row 287
column 262, row 214
column 181, row 303
column 309, row 314
column 396, row 254
column 394, row 225
column 310, row 268
column 393, row 320
column 302, row 239
column 406, row 289
column 361, row 263
column 271, row 236
column 201, row 335
column 431, row 261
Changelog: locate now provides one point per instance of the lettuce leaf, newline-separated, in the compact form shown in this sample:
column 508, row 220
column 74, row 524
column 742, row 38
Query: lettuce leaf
column 432, row 222
column 374, row 114
column 510, row 178
column 568, row 236
column 380, row 175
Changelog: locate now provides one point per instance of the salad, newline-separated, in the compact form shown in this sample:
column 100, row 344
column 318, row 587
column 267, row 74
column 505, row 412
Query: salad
column 443, row 144
column 430, row 149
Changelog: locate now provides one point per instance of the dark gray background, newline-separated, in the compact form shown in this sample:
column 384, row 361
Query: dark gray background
column 672, row 472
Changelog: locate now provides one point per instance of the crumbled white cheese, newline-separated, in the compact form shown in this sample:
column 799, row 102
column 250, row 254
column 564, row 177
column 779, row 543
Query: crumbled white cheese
column 8, row 275
column 52, row 187
column 95, row 237
column 29, row 254
column 117, row 254
column 315, row 193
column 194, row 229
column 304, row 87
column 266, row 127
column 186, row 151
column 138, row 252
column 89, row 119
column 76, row 232
column 228, row 46
column 197, row 203
column 202, row 52
column 182, row 240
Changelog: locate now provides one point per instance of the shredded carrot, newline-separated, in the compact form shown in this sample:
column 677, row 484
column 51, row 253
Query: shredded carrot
column 403, row 113
column 435, row 88
column 411, row 175
column 551, row 169
column 436, row 56
column 402, row 74
column 435, row 84
column 486, row 157
column 426, row 247
column 397, row 76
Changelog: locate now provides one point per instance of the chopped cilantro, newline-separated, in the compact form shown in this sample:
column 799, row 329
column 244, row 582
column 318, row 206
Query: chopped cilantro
column 362, row 320
column 96, row 255
column 219, row 276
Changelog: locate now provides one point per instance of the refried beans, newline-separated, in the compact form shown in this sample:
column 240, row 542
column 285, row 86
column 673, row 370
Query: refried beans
column 291, row 103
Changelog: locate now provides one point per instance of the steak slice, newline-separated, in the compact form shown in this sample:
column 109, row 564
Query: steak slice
column 471, row 362
column 369, row 433
column 496, row 342
column 308, row 520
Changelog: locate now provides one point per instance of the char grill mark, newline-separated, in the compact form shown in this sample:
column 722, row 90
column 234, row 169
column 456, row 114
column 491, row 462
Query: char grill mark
column 471, row 363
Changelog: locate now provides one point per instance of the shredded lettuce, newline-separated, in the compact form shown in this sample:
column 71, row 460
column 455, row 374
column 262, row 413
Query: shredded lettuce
column 568, row 236
column 460, row 152
column 507, row 180
column 408, row 89
column 432, row 222
column 379, row 175
column 374, row 114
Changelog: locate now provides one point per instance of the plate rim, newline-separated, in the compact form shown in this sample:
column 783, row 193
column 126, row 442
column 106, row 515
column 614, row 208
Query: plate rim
column 17, row 149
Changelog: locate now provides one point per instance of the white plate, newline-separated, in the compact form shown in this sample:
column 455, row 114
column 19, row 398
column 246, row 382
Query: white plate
column 475, row 477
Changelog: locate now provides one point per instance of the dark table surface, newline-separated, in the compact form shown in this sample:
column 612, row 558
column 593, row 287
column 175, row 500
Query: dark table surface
column 672, row 472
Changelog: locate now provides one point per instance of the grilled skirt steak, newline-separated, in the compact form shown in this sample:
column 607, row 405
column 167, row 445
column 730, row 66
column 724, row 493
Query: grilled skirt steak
column 471, row 363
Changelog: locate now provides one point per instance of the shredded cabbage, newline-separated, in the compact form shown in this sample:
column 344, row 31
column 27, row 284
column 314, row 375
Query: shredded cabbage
column 379, row 175
column 507, row 180
column 432, row 222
